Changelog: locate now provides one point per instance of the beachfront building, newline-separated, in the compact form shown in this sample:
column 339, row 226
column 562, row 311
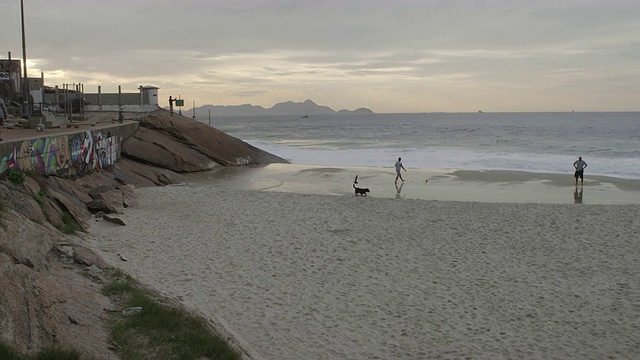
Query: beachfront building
column 11, row 86
column 10, row 78
column 145, row 100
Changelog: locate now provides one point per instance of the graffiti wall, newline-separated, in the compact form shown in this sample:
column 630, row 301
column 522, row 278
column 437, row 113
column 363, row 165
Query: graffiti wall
column 63, row 154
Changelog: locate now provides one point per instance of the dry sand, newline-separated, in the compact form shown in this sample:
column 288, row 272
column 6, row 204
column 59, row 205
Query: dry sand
column 311, row 276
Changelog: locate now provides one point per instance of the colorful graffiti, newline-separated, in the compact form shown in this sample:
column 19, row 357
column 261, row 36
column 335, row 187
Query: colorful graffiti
column 82, row 152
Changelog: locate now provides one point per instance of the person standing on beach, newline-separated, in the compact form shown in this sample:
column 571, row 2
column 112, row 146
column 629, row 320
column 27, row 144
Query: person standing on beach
column 3, row 115
column 579, row 165
column 398, row 168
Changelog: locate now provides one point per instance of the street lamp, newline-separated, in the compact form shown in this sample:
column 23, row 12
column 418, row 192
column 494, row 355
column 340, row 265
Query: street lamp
column 25, row 82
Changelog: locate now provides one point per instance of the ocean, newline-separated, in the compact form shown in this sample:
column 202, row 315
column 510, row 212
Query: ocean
column 534, row 142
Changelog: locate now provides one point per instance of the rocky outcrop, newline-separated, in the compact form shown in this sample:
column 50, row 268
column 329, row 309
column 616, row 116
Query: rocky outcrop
column 183, row 145
column 47, row 297
column 50, row 282
column 164, row 147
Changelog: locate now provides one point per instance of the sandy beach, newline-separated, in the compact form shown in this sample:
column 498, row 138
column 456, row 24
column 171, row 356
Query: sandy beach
column 466, row 265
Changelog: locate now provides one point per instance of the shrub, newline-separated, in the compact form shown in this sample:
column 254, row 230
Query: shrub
column 70, row 225
column 15, row 176
column 57, row 354
column 39, row 197
column 7, row 353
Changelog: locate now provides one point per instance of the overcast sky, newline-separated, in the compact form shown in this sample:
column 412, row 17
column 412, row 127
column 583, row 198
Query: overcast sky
column 385, row 55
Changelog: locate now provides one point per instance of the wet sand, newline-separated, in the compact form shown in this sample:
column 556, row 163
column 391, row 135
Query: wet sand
column 429, row 184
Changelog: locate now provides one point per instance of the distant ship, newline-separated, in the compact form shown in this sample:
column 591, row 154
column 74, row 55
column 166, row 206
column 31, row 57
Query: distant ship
column 305, row 116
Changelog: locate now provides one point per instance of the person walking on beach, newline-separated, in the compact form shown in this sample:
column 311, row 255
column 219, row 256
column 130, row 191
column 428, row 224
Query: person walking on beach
column 398, row 168
column 3, row 115
column 579, row 165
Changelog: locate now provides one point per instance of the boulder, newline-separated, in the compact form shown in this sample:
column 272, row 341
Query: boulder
column 113, row 219
column 114, row 198
column 102, row 206
column 25, row 205
column 183, row 145
column 70, row 204
column 143, row 175
column 31, row 185
column 129, row 196
column 98, row 190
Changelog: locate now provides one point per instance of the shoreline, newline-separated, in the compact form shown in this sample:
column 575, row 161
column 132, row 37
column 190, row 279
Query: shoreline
column 501, row 186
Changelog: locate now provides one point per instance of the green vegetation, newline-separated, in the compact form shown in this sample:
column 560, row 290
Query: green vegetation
column 159, row 331
column 7, row 353
column 40, row 196
column 69, row 224
column 15, row 176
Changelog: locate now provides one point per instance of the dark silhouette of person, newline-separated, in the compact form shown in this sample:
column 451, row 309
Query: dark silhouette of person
column 171, row 100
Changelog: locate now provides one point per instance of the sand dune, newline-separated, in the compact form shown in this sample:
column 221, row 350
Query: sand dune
column 301, row 276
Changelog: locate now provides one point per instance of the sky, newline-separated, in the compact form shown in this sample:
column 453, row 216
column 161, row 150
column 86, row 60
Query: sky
column 390, row 56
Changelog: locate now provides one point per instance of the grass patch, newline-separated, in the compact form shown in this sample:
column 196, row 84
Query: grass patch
column 40, row 196
column 159, row 331
column 69, row 224
column 7, row 353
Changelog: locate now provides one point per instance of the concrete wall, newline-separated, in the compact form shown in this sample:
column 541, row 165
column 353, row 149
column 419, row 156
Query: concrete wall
column 72, row 153
column 112, row 99
column 125, row 108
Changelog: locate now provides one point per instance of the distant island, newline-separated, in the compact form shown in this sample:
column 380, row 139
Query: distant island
column 306, row 108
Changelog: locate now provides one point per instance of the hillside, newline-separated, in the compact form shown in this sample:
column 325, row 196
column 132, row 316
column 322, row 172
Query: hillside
column 307, row 107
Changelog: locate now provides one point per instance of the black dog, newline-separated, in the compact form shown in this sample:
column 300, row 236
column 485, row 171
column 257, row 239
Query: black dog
column 361, row 191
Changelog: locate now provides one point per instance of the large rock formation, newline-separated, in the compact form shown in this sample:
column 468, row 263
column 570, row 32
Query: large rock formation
column 50, row 283
column 183, row 145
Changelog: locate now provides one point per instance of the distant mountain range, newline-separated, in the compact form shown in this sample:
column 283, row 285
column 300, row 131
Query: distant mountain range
column 306, row 108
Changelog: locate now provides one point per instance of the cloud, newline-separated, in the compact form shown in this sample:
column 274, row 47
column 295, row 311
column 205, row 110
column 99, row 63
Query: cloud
column 386, row 55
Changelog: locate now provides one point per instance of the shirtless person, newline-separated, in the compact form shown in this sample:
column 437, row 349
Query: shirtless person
column 579, row 165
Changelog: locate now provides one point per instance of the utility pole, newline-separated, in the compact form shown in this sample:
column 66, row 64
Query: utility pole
column 26, row 99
